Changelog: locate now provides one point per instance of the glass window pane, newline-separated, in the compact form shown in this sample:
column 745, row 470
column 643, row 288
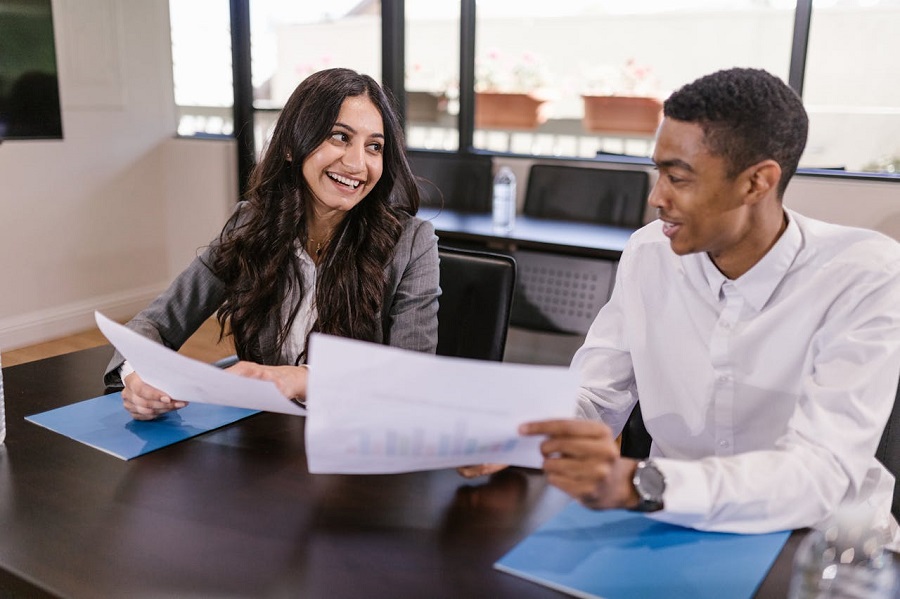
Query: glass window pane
column 630, row 54
column 201, row 66
column 290, row 40
column 851, row 88
column 432, row 74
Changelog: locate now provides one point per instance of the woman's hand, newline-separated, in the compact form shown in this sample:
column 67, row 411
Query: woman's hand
column 290, row 380
column 477, row 470
column 145, row 402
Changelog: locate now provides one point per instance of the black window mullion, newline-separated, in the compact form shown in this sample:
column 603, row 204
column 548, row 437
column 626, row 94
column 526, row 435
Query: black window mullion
column 243, row 91
column 802, row 19
column 393, row 51
column 466, row 118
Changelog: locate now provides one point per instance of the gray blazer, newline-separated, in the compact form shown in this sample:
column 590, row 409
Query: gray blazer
column 408, row 320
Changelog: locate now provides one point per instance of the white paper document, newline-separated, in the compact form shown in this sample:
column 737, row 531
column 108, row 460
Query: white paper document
column 377, row 409
column 186, row 379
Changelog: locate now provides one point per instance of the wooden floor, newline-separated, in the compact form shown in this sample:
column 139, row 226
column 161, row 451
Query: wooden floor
column 203, row 345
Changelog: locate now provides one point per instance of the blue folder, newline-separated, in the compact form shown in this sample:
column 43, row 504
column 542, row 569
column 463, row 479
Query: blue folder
column 103, row 424
column 619, row 554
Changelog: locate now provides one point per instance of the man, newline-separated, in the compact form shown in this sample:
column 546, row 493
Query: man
column 764, row 346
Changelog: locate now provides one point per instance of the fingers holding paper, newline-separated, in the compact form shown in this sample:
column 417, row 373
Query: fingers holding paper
column 146, row 402
column 290, row 380
column 582, row 459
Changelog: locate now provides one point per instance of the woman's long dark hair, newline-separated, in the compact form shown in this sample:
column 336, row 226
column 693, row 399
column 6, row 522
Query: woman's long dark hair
column 255, row 258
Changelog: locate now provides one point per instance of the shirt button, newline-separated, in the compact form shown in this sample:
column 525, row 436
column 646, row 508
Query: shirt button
column 723, row 444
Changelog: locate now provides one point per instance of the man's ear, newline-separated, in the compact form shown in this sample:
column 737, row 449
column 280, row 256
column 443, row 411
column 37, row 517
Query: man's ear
column 760, row 180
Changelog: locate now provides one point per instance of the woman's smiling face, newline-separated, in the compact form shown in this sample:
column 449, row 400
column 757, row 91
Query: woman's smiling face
column 346, row 166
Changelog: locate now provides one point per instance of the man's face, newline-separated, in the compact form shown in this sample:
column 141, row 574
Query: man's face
column 698, row 203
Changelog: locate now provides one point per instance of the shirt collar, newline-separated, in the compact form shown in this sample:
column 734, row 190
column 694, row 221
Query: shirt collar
column 304, row 257
column 758, row 284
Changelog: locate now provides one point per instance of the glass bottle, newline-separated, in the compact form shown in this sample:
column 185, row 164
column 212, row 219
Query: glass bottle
column 504, row 200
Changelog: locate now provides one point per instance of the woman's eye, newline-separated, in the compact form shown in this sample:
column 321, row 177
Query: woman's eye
column 340, row 136
column 376, row 147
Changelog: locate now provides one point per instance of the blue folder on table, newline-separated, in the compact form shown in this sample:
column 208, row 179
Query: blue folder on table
column 103, row 424
column 618, row 554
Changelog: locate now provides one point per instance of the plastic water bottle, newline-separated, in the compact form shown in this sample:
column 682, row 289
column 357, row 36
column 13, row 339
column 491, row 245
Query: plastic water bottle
column 846, row 561
column 2, row 408
column 504, row 200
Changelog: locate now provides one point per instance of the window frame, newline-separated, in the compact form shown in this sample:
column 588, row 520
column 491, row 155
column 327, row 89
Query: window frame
column 393, row 24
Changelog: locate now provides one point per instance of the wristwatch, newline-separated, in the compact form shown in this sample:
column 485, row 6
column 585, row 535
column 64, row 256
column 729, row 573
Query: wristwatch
column 650, row 484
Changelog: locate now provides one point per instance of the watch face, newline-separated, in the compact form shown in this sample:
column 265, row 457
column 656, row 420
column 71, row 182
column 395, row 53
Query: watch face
column 651, row 483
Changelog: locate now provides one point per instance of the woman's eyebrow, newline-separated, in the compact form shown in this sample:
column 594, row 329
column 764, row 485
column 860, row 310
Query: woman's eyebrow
column 353, row 131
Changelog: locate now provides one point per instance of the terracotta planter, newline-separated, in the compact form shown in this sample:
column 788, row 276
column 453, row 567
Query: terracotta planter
column 625, row 114
column 508, row 111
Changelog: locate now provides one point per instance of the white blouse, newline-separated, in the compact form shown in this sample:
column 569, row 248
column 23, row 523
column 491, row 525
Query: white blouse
column 295, row 345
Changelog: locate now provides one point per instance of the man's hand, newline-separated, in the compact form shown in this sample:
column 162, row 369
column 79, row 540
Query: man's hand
column 581, row 458
column 290, row 380
column 145, row 402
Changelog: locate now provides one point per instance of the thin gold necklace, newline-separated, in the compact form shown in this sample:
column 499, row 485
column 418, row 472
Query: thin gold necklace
column 319, row 245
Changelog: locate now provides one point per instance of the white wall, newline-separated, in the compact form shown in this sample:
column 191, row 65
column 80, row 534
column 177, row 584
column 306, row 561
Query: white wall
column 869, row 204
column 105, row 218
column 102, row 219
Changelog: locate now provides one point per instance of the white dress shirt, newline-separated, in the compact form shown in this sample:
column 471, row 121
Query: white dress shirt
column 766, row 396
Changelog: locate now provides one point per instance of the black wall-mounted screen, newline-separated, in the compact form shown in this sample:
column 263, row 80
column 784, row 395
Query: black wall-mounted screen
column 29, row 86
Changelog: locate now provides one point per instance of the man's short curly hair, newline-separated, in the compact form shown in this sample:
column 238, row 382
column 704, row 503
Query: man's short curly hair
column 747, row 115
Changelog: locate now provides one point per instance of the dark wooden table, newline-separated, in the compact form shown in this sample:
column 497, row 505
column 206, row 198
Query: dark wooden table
column 234, row 513
column 537, row 234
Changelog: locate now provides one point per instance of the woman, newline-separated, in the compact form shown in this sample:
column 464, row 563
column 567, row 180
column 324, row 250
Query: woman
column 326, row 242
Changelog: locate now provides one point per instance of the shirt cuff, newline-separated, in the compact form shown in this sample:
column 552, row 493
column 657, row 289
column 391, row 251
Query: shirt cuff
column 124, row 370
column 686, row 499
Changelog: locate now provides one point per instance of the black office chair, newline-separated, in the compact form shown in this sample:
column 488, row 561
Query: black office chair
column 888, row 452
column 461, row 182
column 635, row 441
column 595, row 195
column 476, row 296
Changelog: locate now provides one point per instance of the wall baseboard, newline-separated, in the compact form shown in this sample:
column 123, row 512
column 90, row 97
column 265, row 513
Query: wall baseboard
column 44, row 325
